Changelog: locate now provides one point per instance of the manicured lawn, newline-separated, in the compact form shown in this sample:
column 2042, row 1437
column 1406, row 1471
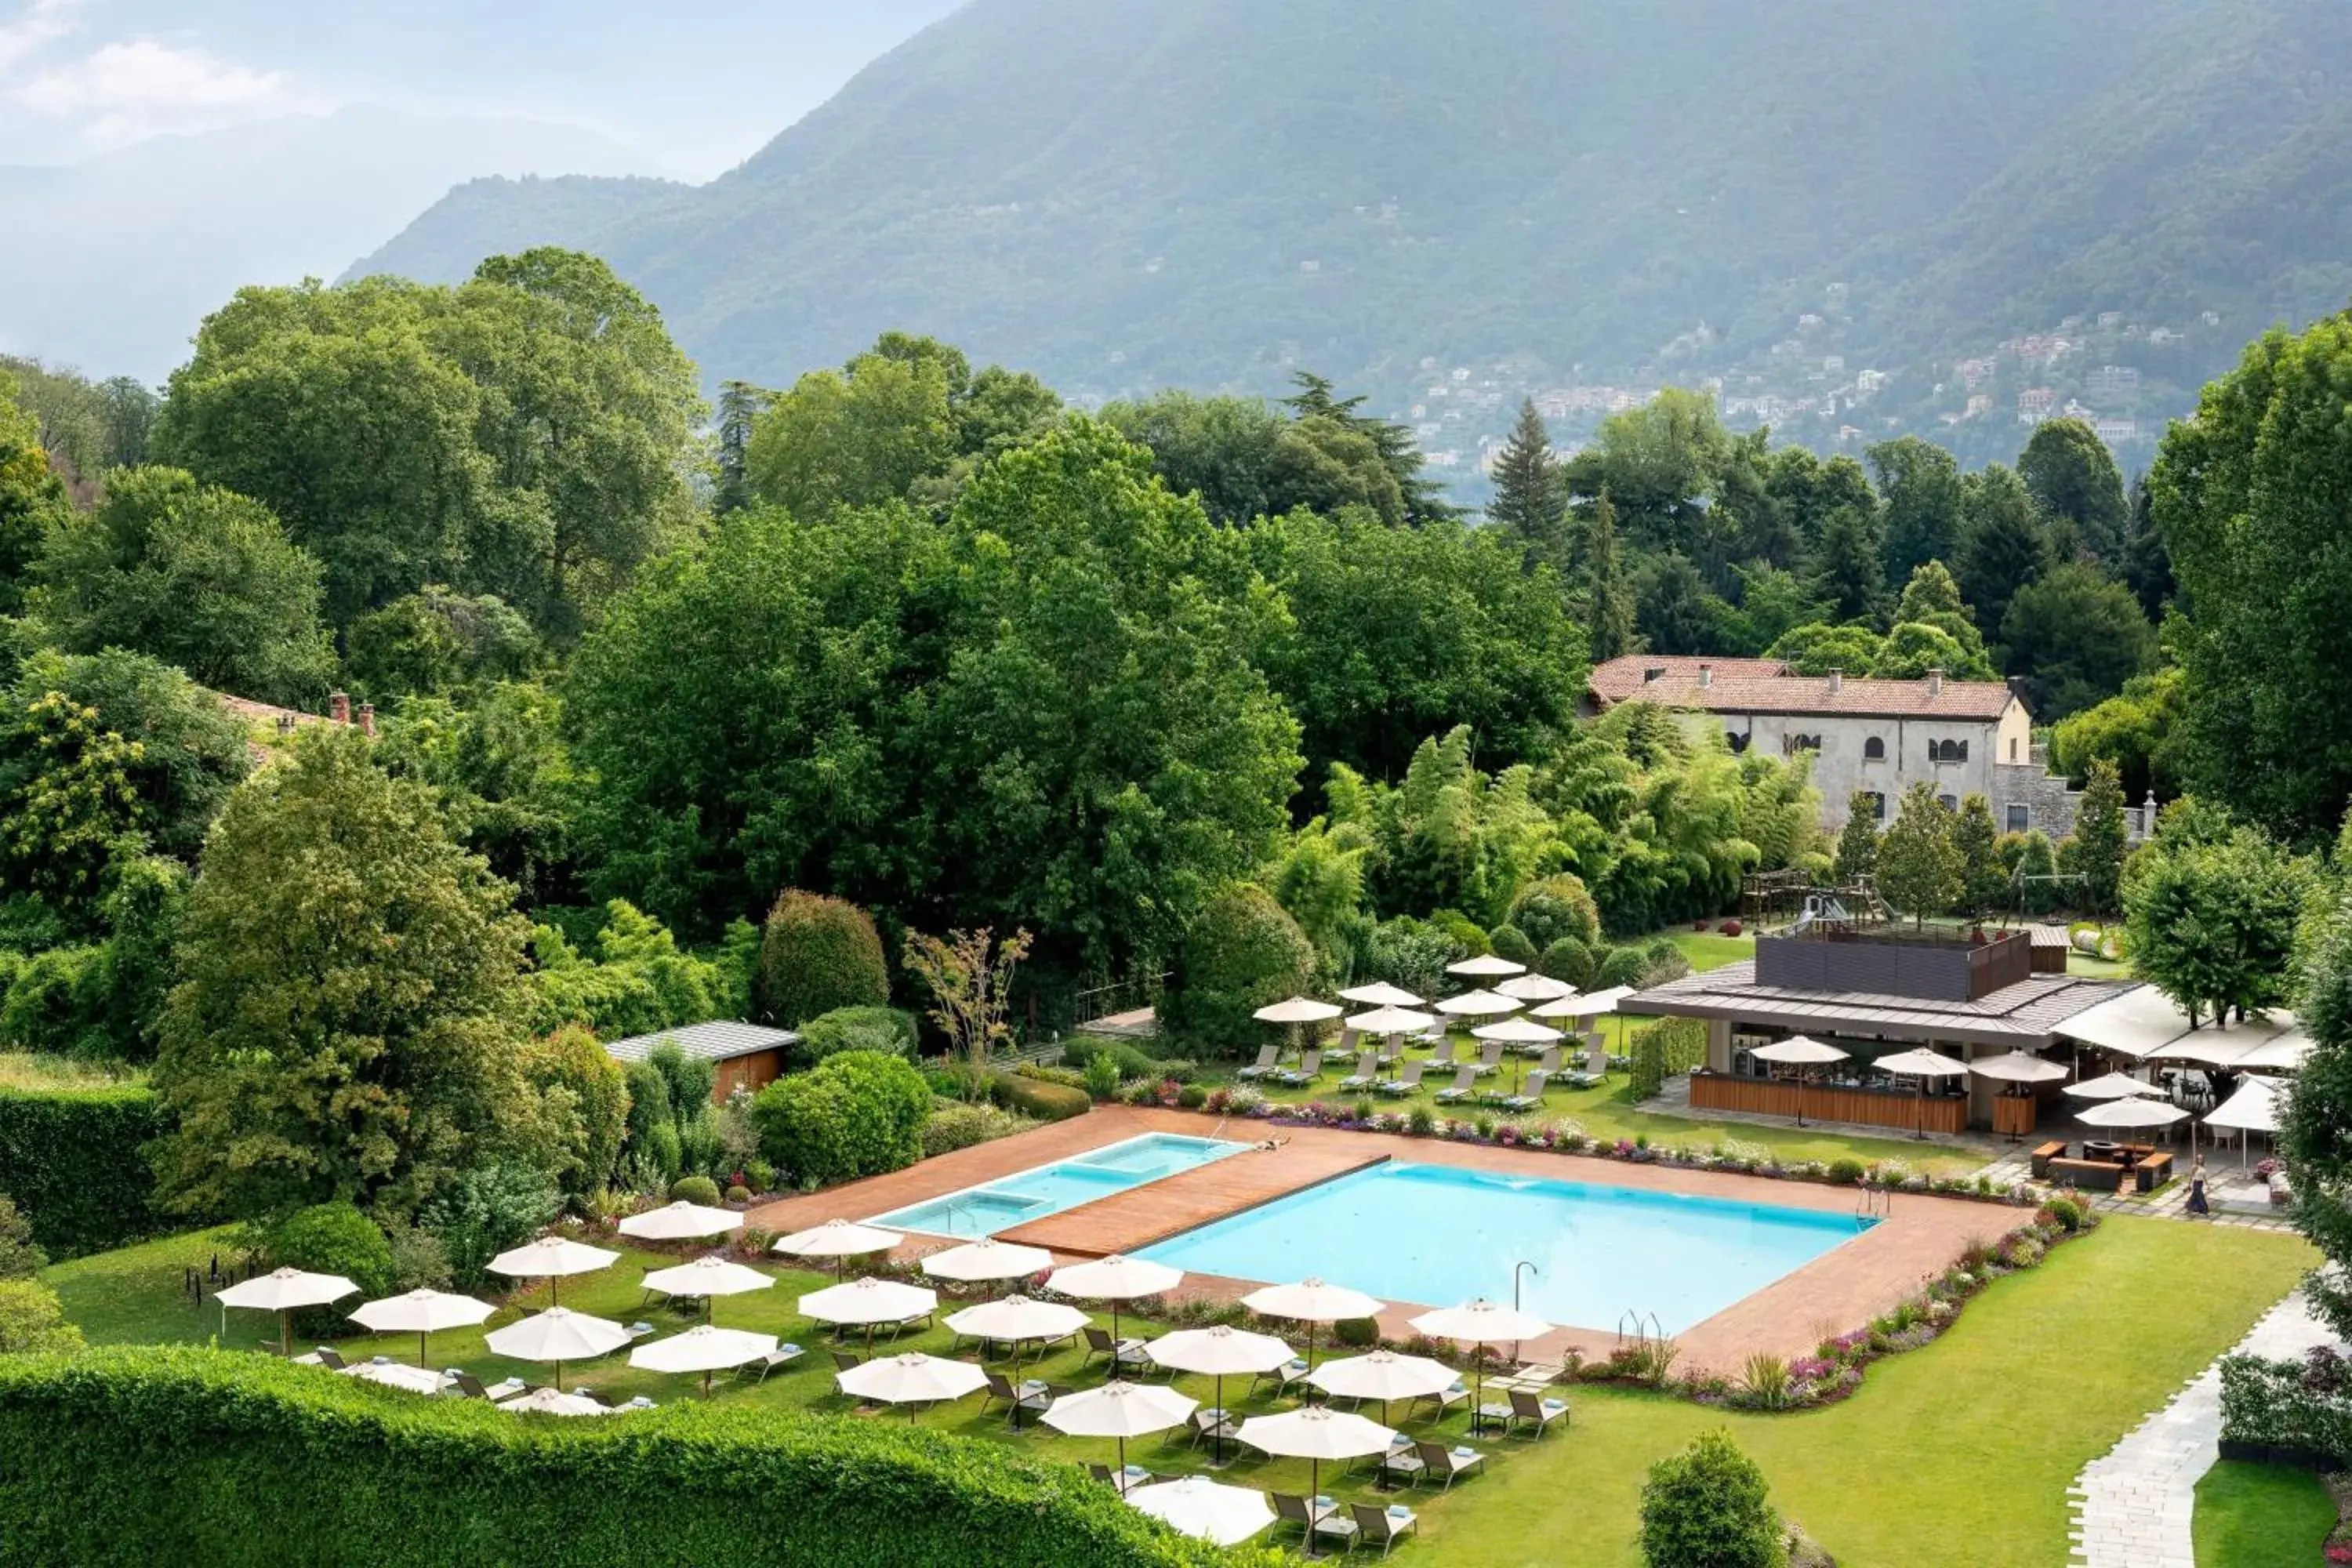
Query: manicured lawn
column 1959, row 1454
column 1709, row 950
column 2261, row 1516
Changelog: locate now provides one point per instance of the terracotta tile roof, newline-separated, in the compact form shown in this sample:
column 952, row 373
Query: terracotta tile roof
column 1764, row 686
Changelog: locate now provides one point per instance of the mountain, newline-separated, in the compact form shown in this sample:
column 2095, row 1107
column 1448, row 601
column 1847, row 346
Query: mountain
column 1539, row 192
column 110, row 263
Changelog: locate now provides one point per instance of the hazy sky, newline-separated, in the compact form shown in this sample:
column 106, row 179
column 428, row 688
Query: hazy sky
column 697, row 84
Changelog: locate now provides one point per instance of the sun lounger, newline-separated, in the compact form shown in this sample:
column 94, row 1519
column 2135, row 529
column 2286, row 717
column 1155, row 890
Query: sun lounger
column 1031, row 1395
column 1402, row 1462
column 1337, row 1522
column 1490, row 1058
column 1367, row 1073
column 1547, row 1060
column 1530, row 1096
column 1383, row 1525
column 1309, row 1068
column 1464, row 1086
column 1267, row 1057
column 1283, row 1376
column 1291, row 1509
column 1525, row 1408
column 1134, row 1476
column 1439, row 1462
column 1406, row 1082
column 1444, row 1054
column 1122, row 1354
column 331, row 1359
column 1214, row 1424
column 1445, row 1399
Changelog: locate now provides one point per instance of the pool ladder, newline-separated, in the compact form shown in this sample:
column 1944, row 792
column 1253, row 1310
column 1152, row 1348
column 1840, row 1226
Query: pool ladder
column 1644, row 1328
column 1874, row 1202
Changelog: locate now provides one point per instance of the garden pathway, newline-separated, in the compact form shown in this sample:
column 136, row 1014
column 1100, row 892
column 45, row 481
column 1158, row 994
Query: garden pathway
column 2133, row 1504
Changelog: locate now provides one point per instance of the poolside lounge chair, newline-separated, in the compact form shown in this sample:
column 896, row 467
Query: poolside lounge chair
column 1384, row 1525
column 1548, row 1059
column 1406, row 1082
column 1211, row 1421
column 469, row 1387
column 1525, row 1407
column 1445, row 1399
column 1464, row 1086
column 1402, row 1462
column 1490, row 1058
column 1531, row 1095
column 758, row 1371
column 1267, row 1057
column 1122, row 1354
column 1286, row 1374
column 1134, row 1476
column 1291, row 1509
column 1309, row 1068
column 1368, row 1071
column 1444, row 1056
column 1032, row 1395
column 1440, row 1461
column 331, row 1359
column 1338, row 1523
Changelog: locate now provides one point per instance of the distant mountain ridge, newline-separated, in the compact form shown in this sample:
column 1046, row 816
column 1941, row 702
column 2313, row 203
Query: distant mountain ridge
column 1209, row 192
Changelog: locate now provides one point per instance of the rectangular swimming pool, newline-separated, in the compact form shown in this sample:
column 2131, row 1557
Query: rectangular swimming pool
column 1439, row 1235
column 1031, row 1195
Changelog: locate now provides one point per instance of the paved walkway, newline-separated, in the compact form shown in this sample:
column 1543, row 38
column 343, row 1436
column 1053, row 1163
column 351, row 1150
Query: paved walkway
column 2132, row 1505
column 2238, row 1201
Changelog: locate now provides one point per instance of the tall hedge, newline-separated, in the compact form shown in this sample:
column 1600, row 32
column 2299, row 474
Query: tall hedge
column 1241, row 952
column 859, row 1113
column 818, row 953
column 74, row 1160
column 191, row 1456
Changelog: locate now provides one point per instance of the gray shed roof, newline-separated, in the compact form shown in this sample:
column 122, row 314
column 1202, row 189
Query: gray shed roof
column 2025, row 1015
column 719, row 1041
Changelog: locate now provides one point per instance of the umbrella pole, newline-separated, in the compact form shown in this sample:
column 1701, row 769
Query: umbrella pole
column 706, row 1382
column 285, row 1332
column 1314, row 1491
column 420, row 1348
column 559, row 1376
column 1217, row 1427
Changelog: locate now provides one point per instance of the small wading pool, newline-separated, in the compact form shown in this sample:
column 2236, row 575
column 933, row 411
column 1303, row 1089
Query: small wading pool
column 1438, row 1236
column 1026, row 1195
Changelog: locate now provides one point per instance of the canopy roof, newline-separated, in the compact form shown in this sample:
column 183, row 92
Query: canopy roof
column 2026, row 1015
column 2144, row 1024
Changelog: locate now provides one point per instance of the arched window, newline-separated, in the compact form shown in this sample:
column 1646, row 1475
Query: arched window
column 1874, row 750
column 1948, row 751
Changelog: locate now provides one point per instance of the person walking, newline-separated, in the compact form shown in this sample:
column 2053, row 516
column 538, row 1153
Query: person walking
column 2197, row 1204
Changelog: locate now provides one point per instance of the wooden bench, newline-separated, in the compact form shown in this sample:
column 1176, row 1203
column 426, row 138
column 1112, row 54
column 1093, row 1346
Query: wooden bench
column 2152, row 1171
column 2043, row 1155
column 2091, row 1175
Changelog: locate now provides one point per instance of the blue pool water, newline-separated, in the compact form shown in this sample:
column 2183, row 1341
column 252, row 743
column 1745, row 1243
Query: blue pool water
column 1441, row 1235
column 1049, row 1189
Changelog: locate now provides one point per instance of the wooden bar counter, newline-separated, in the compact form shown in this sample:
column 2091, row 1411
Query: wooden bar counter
column 1900, row 1109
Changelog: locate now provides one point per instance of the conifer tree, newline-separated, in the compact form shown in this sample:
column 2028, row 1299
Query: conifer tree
column 1529, row 501
column 1984, row 881
column 739, row 403
column 1611, row 605
column 2099, row 840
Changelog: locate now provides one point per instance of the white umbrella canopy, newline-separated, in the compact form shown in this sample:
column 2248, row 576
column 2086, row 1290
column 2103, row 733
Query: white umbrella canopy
column 987, row 1259
column 2283, row 1054
column 1483, row 964
column 2017, row 1067
column 837, row 1239
column 1014, row 1319
column 2114, row 1086
column 1383, row 1375
column 2254, row 1108
column 1115, row 1279
column 1517, row 1031
column 421, row 1312
column 281, row 1292
column 1218, row 1351
column 551, row 1259
column 1479, row 1005
column 1481, row 1322
column 1312, row 1301
column 1381, row 994
column 1797, row 1050
column 912, row 1379
column 681, row 1221
column 1393, row 1021
column 1921, row 1064
column 1316, row 1433
column 553, row 1402
column 2131, row 1112
column 1199, row 1506
column 559, row 1334
column 708, row 1276
column 702, row 1349
column 1120, row 1410
column 1587, row 1004
column 1297, row 1010
column 865, row 1302
column 1535, row 988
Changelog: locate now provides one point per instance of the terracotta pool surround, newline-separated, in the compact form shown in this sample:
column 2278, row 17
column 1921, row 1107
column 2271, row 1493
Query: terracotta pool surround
column 1841, row 1290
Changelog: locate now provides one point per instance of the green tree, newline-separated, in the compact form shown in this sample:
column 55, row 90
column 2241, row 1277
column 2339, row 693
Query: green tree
column 31, row 495
column 2073, row 478
column 1984, row 880
column 1243, row 458
column 1931, row 598
column 1529, row 503
column 1920, row 870
column 1920, row 485
column 816, row 954
column 1675, row 613
column 504, row 779
column 2313, row 1134
column 2073, row 639
column 1708, row 1507
column 32, row 1320
column 2004, row 545
column 2137, row 731
column 1819, row 647
column 194, row 576
column 437, row 643
column 1422, row 499
column 1609, row 598
column 1241, row 952
column 345, row 1028
column 2034, row 890
column 73, row 809
column 1772, row 603
column 1661, row 465
column 1845, row 569
column 739, row 407
column 856, row 437
column 2213, row 910
column 2100, row 839
column 1857, row 842
column 1912, row 649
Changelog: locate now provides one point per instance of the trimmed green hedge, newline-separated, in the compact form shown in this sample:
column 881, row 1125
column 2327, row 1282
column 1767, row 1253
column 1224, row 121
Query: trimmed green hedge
column 2271, row 1404
column 235, row 1461
column 1663, row 1049
column 1036, row 1097
column 74, row 1160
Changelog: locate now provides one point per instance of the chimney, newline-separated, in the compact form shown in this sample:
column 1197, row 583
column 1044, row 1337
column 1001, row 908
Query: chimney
column 367, row 720
column 339, row 707
column 1705, row 676
column 1837, row 681
column 1935, row 683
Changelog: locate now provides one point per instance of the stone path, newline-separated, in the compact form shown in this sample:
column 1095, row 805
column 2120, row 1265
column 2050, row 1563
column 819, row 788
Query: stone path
column 2132, row 1505
column 2237, row 1201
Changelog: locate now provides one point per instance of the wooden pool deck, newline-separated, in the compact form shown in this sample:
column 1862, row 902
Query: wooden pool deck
column 1134, row 1219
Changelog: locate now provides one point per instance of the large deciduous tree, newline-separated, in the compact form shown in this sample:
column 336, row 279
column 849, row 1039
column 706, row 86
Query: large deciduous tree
column 1920, row 483
column 2315, row 1132
column 346, row 1022
column 1920, row 870
column 30, row 494
column 2072, row 639
column 2073, row 478
column 2212, row 908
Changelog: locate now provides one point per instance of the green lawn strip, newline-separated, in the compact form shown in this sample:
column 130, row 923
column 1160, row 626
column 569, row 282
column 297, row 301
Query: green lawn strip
column 1707, row 949
column 2261, row 1516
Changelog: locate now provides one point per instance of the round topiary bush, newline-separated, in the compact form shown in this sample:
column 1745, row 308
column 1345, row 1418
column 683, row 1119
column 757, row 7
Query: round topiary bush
column 1707, row 1507
column 1845, row 1171
column 695, row 1190
column 1569, row 961
column 1509, row 942
column 1554, row 908
column 335, row 1238
column 1357, row 1334
column 739, row 1195
column 856, row 1114
column 861, row 1029
column 1240, row 952
column 818, row 953
column 1730, row 928
column 1038, row 1098
column 1619, row 966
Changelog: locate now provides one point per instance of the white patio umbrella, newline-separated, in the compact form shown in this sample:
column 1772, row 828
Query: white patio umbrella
column 702, row 1349
column 1316, row 1433
column 1798, row 1052
column 1535, row 988
column 1297, row 1010
column 1016, row 1319
column 1383, row 1375
column 551, row 1259
column 1120, row 1410
column 863, row 1303
column 1218, row 1351
column 1479, row 1005
column 987, row 1259
column 2254, row 1108
column 1518, row 1032
column 1311, row 1301
column 1381, row 994
column 1481, row 1322
column 553, row 1402
column 1584, row 1005
column 559, row 1334
column 912, row 1379
column 2115, row 1086
column 2133, row 1113
column 837, row 1239
column 1115, row 1279
column 281, row 1292
column 681, row 1221
column 2017, row 1067
column 708, row 1278
column 1392, row 1021
column 421, row 1312
column 1199, row 1506
column 1921, row 1064
column 1486, row 964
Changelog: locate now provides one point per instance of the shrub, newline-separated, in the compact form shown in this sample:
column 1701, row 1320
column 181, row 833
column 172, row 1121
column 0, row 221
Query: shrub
column 419, row 1261
column 1191, row 1096
column 1509, row 942
column 73, row 1161
column 834, row 1493
column 816, row 954
column 573, row 1059
column 32, row 1320
column 1708, row 1508
column 1420, row 1122
column 487, row 1210
column 2066, row 1214
column 1241, row 952
column 863, row 1029
column 1126, row 1058
column 1357, row 1334
column 953, row 1127
column 1411, row 953
column 1649, row 1074
column 1046, row 1101
column 695, row 1190
column 1556, row 909
column 1102, row 1077
column 1619, row 966
column 762, row 1176
column 1464, row 933
column 1764, row 1380
column 1662, row 961
column 856, row 1114
column 334, row 1238
column 1845, row 1171
column 20, row 1257
column 1569, row 961
column 739, row 1193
